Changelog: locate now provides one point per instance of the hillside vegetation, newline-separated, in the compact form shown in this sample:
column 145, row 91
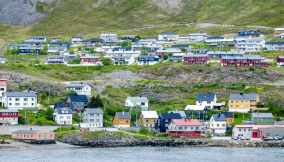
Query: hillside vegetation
column 143, row 17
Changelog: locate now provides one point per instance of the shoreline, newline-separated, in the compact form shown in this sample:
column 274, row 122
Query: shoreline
column 147, row 143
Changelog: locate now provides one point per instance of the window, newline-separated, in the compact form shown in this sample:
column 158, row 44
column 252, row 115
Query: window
column 25, row 99
column 17, row 99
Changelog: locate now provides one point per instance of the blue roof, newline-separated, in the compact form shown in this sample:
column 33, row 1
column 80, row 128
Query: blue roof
column 243, row 96
column 275, row 43
column 60, row 105
column 78, row 98
column 219, row 117
column 209, row 97
column 249, row 33
column 168, row 33
column 170, row 116
column 228, row 114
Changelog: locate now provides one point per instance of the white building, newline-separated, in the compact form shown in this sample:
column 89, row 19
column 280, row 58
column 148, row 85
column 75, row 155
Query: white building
column 80, row 88
column 76, row 41
column 249, row 44
column 218, row 124
column 20, row 100
column 141, row 102
column 92, row 118
column 208, row 100
column 109, row 37
column 243, row 132
column 197, row 37
column 9, row 117
column 168, row 36
column 3, row 89
column 63, row 116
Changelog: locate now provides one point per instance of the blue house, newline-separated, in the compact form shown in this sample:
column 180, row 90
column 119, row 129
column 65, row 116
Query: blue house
column 77, row 102
column 165, row 119
column 249, row 33
column 148, row 60
column 25, row 49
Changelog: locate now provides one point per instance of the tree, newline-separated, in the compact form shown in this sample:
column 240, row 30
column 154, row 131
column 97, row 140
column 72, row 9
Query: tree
column 96, row 102
column 126, row 44
column 106, row 61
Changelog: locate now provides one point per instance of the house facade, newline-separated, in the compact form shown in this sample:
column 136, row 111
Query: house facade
column 168, row 36
column 243, row 61
column 148, row 119
column 195, row 59
column 140, row 102
column 9, row 117
column 63, row 116
column 92, row 118
column 80, row 88
column 20, row 100
column 77, row 102
column 262, row 118
column 280, row 60
column 34, row 136
column 208, row 100
column 3, row 89
column 249, row 44
column 243, row 103
column 218, row 124
column 165, row 119
column 148, row 60
column 122, row 120
column 190, row 128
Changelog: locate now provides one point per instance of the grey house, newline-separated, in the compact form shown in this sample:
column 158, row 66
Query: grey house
column 77, row 102
column 92, row 118
column 262, row 118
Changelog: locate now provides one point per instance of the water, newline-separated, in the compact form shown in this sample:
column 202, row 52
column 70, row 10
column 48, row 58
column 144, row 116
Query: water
column 64, row 153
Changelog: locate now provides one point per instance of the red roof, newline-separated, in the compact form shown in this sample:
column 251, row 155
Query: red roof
column 3, row 82
column 192, row 122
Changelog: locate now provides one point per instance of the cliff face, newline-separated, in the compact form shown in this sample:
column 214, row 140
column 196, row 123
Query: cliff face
column 22, row 12
column 265, row 12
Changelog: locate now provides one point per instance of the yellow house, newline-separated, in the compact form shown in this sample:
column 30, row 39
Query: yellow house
column 243, row 102
column 122, row 120
column 148, row 119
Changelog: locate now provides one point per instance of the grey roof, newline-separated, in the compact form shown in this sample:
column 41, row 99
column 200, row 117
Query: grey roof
column 137, row 99
column 21, row 94
column 261, row 115
column 219, row 117
column 93, row 111
column 78, row 85
column 122, row 115
column 64, row 111
column 243, row 96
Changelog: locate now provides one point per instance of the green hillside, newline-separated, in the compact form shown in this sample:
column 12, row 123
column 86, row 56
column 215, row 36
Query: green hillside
column 147, row 17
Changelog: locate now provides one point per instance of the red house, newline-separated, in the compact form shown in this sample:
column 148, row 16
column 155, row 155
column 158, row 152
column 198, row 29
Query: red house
column 196, row 59
column 190, row 128
column 9, row 117
column 90, row 60
column 243, row 61
column 280, row 60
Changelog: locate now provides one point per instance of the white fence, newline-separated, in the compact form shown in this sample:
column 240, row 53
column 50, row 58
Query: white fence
column 7, row 130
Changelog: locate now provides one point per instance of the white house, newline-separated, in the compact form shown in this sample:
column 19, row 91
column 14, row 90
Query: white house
column 63, row 116
column 109, row 37
column 76, row 41
column 81, row 88
column 141, row 102
column 168, row 36
column 218, row 124
column 243, row 132
column 92, row 118
column 249, row 44
column 194, row 108
column 197, row 37
column 20, row 100
column 3, row 89
column 208, row 100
